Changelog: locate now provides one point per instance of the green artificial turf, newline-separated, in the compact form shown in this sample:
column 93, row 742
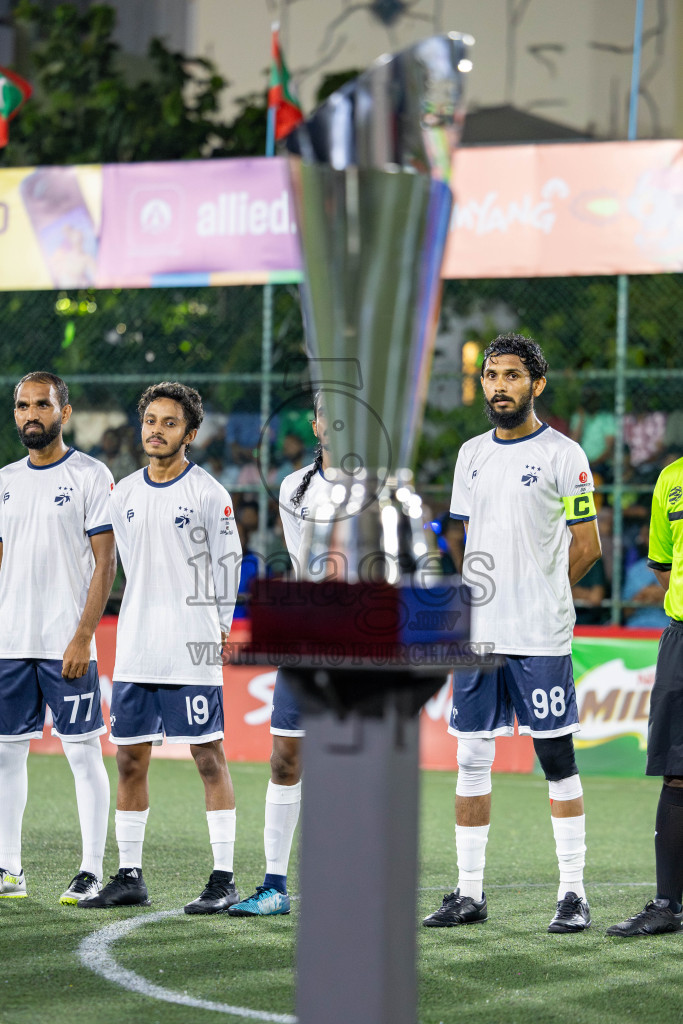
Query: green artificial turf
column 504, row 971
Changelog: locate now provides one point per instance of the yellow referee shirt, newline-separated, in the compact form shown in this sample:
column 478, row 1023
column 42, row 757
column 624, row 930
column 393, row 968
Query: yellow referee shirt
column 666, row 534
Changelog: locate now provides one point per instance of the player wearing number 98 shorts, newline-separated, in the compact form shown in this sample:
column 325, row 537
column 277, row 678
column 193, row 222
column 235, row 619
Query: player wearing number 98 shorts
column 176, row 535
column 524, row 492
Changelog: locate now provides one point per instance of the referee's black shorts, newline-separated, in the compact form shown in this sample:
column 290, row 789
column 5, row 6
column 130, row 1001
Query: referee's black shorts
column 665, row 727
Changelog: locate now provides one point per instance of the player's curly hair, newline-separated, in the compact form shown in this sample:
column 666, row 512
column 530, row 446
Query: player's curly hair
column 43, row 377
column 187, row 397
column 298, row 495
column 528, row 350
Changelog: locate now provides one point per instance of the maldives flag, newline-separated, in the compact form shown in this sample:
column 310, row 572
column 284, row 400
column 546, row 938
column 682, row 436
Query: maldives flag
column 281, row 99
column 14, row 91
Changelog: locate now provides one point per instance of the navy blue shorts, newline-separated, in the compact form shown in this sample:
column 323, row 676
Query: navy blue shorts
column 538, row 689
column 285, row 716
column 29, row 685
column 145, row 712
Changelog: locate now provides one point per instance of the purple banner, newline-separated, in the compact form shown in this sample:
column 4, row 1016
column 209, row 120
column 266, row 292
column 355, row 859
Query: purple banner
column 197, row 222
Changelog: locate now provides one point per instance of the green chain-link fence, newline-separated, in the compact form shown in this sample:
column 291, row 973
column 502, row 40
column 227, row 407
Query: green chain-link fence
column 110, row 345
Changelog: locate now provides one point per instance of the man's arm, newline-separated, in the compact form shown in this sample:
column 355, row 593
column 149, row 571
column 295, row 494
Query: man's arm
column 77, row 654
column 663, row 577
column 584, row 550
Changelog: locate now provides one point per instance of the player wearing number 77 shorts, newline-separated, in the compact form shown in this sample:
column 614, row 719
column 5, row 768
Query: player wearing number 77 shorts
column 524, row 493
column 57, row 565
column 181, row 554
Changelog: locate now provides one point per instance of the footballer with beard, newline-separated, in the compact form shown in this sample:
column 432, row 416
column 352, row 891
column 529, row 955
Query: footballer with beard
column 524, row 493
column 57, row 566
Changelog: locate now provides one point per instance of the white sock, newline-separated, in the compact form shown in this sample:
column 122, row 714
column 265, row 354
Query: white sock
column 130, row 835
column 14, row 783
column 92, row 799
column 222, row 825
column 470, row 844
column 570, row 843
column 283, row 804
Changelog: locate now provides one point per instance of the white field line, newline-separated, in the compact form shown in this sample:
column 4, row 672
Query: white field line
column 94, row 953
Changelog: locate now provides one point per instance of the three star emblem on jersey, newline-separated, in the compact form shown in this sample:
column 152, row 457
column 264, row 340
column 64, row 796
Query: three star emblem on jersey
column 64, row 495
column 532, row 476
column 183, row 519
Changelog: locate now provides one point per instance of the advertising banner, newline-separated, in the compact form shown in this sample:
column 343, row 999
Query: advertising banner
column 563, row 210
column 520, row 211
column 205, row 222
column 50, row 221
column 614, row 676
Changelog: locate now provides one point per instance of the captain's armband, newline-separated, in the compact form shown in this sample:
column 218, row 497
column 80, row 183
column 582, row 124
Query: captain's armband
column 579, row 508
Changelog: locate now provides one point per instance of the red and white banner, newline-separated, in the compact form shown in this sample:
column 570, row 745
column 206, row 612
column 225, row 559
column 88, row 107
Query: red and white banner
column 566, row 210
column 247, row 698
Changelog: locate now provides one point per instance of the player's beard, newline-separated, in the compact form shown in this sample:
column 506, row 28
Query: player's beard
column 515, row 417
column 155, row 454
column 39, row 439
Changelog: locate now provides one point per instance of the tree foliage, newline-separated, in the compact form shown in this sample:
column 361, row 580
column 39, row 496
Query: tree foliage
column 85, row 110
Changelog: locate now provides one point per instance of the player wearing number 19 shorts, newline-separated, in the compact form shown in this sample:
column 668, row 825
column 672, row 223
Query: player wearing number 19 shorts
column 524, row 493
column 176, row 535
column 57, row 565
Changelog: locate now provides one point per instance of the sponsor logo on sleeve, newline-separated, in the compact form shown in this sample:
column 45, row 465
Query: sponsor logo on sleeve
column 583, row 477
column 675, row 495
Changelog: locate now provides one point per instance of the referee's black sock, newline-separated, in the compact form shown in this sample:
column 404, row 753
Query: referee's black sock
column 669, row 846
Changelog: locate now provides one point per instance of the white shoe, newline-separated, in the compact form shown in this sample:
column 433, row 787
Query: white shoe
column 12, row 887
column 82, row 887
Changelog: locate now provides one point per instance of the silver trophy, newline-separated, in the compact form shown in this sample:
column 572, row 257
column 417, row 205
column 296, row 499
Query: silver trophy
column 371, row 171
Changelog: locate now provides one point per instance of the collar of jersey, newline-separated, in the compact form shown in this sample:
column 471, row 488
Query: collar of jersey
column 518, row 440
column 50, row 465
column 145, row 476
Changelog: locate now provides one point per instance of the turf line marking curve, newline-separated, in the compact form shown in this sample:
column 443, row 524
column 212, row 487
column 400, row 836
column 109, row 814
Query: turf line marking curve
column 94, row 953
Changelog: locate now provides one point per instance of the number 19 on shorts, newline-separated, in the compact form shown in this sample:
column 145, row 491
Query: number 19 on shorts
column 197, row 709
column 548, row 703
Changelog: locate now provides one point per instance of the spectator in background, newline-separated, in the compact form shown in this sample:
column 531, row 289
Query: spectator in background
column 246, row 517
column 117, row 452
column 641, row 585
column 644, row 434
column 294, row 455
column 594, row 429
column 588, row 595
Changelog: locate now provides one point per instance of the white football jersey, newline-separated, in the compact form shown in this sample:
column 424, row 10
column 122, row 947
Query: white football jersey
column 181, row 554
column 47, row 516
column 513, row 496
column 294, row 517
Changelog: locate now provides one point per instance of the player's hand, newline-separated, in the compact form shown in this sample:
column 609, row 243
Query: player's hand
column 76, row 659
column 224, row 638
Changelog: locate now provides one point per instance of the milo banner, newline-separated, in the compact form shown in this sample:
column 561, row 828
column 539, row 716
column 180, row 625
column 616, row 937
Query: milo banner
column 614, row 674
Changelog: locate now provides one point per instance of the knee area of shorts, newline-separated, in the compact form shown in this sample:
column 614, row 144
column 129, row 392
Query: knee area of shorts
column 475, row 758
column 556, row 756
